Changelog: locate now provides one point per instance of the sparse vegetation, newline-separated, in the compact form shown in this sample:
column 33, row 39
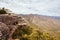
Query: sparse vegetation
column 28, row 33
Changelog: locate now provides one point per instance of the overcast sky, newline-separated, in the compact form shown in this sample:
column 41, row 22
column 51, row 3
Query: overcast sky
column 42, row 7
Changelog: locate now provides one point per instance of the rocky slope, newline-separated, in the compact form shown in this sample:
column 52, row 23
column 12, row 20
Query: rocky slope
column 8, row 23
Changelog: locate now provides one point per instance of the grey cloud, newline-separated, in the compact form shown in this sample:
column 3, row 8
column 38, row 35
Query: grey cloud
column 43, row 7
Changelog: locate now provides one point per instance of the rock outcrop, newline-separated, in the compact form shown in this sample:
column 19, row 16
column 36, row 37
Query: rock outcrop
column 8, row 23
column 4, row 31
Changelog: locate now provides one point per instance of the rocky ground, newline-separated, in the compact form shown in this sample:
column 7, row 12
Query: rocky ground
column 8, row 24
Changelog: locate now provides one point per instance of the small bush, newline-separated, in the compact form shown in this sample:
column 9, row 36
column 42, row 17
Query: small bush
column 3, row 11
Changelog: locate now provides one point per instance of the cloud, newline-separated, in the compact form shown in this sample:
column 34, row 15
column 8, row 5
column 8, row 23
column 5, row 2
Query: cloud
column 43, row 7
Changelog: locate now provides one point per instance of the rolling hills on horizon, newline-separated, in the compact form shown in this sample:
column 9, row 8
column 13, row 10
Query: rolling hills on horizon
column 44, row 22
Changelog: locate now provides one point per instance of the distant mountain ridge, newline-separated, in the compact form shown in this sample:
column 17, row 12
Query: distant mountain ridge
column 44, row 22
column 57, row 17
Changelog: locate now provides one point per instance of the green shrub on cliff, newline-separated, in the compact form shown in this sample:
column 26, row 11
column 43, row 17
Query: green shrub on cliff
column 3, row 11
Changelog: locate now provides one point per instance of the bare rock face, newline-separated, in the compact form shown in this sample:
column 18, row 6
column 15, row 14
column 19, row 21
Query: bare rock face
column 4, row 31
column 8, row 23
column 10, row 20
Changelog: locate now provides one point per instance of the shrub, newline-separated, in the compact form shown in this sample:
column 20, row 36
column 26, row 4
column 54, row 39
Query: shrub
column 28, row 33
column 3, row 11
